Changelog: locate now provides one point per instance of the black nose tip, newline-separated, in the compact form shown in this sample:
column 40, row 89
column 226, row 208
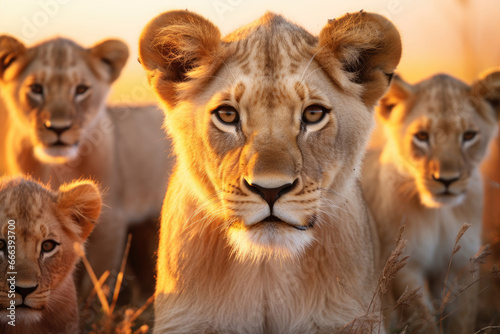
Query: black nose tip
column 58, row 130
column 270, row 195
column 25, row 291
column 446, row 182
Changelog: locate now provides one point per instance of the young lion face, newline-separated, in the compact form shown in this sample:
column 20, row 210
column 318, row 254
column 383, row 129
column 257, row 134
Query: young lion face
column 38, row 230
column 268, row 119
column 440, row 129
column 55, row 90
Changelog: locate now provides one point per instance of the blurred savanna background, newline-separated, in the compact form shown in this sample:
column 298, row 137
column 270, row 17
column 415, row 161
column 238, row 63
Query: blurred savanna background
column 457, row 37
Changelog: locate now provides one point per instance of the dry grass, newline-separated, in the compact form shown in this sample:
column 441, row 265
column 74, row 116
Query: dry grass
column 447, row 297
column 108, row 317
column 375, row 317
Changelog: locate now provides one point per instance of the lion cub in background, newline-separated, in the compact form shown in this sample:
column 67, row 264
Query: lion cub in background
column 61, row 130
column 38, row 232
column 426, row 175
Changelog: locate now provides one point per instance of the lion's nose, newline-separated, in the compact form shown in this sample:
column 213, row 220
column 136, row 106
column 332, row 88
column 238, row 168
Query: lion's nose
column 59, row 129
column 270, row 195
column 446, row 181
column 25, row 291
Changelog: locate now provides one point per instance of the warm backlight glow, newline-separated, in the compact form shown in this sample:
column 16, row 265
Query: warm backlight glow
column 457, row 37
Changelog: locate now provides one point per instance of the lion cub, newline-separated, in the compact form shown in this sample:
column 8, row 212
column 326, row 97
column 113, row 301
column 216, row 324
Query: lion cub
column 38, row 232
column 426, row 174
column 61, row 130
column 264, row 228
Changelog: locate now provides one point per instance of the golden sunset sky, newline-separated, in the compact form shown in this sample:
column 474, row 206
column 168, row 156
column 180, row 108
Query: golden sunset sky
column 458, row 37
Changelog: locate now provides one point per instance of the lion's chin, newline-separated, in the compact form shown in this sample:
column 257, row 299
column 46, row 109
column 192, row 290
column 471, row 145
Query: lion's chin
column 438, row 201
column 25, row 314
column 268, row 241
column 56, row 154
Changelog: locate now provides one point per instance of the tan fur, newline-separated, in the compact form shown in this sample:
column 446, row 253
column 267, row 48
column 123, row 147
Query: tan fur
column 122, row 148
column 66, row 216
column 3, row 129
column 224, row 267
column 399, row 185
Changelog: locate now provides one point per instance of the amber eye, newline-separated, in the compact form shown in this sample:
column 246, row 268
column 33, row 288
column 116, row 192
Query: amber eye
column 49, row 245
column 36, row 89
column 227, row 115
column 469, row 135
column 422, row 136
column 80, row 89
column 3, row 245
column 313, row 114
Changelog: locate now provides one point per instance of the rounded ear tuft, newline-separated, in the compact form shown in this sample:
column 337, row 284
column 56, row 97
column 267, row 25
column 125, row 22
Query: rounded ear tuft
column 112, row 52
column 368, row 47
column 81, row 201
column 488, row 87
column 398, row 92
column 174, row 43
column 10, row 49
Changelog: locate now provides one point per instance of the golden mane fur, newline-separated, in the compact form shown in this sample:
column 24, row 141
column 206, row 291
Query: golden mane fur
column 264, row 229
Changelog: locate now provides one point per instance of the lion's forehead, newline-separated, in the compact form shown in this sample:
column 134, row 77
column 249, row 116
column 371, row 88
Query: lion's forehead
column 28, row 209
column 446, row 123
column 58, row 53
column 58, row 63
column 57, row 76
column 444, row 95
column 27, row 234
column 36, row 226
column 444, row 103
column 271, row 47
column 272, row 95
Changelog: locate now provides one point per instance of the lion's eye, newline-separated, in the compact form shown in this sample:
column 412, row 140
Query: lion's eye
column 227, row 115
column 36, row 89
column 80, row 89
column 469, row 135
column 49, row 245
column 3, row 245
column 422, row 136
column 313, row 114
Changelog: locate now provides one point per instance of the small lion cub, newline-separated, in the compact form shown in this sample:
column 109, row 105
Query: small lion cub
column 38, row 232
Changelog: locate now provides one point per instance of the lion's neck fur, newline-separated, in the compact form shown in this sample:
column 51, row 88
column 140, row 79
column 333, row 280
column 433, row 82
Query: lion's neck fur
column 199, row 262
column 60, row 316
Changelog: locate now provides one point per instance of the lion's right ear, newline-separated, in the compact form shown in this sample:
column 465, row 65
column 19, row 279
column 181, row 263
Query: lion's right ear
column 10, row 50
column 399, row 92
column 81, row 202
column 172, row 46
column 487, row 87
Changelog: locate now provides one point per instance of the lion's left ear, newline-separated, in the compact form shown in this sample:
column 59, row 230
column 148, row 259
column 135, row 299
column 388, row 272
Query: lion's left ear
column 367, row 47
column 113, row 53
column 10, row 50
column 488, row 87
column 81, row 201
